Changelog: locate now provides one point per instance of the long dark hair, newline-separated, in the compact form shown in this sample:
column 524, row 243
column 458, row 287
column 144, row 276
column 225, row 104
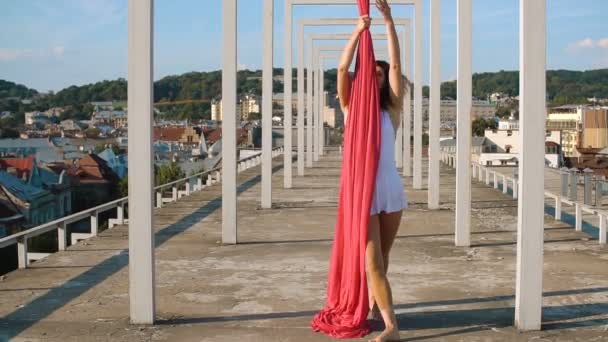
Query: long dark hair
column 385, row 96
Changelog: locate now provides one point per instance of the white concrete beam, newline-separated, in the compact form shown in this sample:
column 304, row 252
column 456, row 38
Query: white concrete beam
column 463, row 138
column 531, row 202
column 229, row 213
column 302, row 23
column 141, row 178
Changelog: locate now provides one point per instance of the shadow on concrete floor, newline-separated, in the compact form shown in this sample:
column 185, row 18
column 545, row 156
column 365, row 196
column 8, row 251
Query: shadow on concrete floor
column 19, row 320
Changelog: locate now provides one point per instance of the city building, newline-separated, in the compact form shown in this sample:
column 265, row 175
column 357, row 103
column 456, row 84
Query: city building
column 114, row 118
column 481, row 109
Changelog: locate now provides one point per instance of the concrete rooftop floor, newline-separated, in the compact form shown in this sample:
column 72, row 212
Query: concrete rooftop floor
column 268, row 287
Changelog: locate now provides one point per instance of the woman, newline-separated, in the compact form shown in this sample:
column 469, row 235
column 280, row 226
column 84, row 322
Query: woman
column 389, row 198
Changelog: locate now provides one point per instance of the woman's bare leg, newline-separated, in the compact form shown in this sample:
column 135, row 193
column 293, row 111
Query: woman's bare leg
column 389, row 225
column 379, row 282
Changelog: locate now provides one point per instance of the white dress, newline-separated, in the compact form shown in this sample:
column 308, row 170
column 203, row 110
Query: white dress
column 389, row 195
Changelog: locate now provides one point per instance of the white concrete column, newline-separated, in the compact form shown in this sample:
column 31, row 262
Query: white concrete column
column 141, row 177
column 602, row 229
column 301, row 101
column 558, row 208
column 418, row 11
column 267, row 104
column 315, row 110
column 463, row 138
column 505, row 185
column 578, row 220
column 229, row 212
column 434, row 105
column 495, row 180
column 321, row 108
column 309, row 105
column 287, row 102
column 531, row 203
column 407, row 111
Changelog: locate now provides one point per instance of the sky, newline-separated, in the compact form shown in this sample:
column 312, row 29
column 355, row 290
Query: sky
column 52, row 44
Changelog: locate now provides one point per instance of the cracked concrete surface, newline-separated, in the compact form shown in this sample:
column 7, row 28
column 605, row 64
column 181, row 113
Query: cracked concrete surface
column 268, row 287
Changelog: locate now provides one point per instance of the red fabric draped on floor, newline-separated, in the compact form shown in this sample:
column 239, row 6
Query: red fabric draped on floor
column 345, row 313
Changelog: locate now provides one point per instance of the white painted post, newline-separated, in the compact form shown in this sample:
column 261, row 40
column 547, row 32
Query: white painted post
column 188, row 187
column 174, row 193
column 301, row 101
column 434, row 105
column 229, row 211
column 141, row 178
column 287, row 103
column 94, row 223
column 579, row 217
column 530, row 222
column 23, row 261
column 120, row 213
column 159, row 199
column 407, row 113
column 315, row 110
column 309, row 105
column 488, row 176
column 321, row 118
column 495, row 180
column 321, row 110
column 62, row 236
column 418, row 11
column 199, row 183
column 463, row 140
column 515, row 188
column 558, row 208
column 505, row 185
column 267, row 105
column 603, row 234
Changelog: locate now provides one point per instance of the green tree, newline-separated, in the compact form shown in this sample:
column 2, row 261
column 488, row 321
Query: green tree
column 123, row 187
column 92, row 133
column 168, row 173
column 480, row 125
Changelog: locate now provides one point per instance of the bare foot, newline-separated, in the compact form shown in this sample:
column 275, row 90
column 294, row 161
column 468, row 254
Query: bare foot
column 389, row 334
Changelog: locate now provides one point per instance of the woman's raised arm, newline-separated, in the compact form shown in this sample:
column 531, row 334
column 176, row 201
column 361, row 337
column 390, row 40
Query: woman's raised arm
column 394, row 53
column 344, row 81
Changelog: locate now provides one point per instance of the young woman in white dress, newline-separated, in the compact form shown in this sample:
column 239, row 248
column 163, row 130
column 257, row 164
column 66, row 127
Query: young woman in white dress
column 389, row 196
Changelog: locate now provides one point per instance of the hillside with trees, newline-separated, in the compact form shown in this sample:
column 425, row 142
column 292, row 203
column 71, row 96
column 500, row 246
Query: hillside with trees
column 198, row 88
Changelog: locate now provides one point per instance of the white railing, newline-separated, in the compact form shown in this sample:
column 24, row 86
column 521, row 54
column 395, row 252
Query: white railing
column 479, row 171
column 180, row 188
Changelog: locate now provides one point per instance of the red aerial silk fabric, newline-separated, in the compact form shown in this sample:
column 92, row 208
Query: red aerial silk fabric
column 347, row 306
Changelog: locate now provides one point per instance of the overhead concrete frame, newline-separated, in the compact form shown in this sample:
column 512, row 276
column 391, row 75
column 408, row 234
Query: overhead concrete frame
column 406, row 122
column 532, row 87
column 319, row 92
column 417, row 80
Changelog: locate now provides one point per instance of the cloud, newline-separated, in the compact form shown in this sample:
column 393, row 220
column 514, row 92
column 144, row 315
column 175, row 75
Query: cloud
column 241, row 66
column 589, row 43
column 58, row 51
column 585, row 43
column 7, row 55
